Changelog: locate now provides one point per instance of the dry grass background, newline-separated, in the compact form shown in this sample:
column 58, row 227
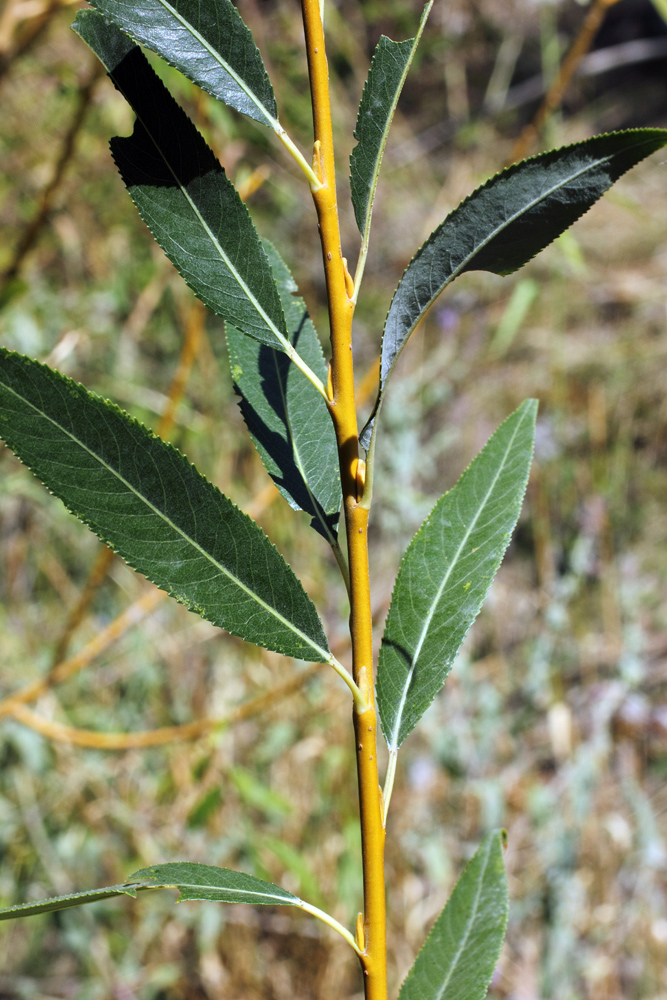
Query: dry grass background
column 554, row 720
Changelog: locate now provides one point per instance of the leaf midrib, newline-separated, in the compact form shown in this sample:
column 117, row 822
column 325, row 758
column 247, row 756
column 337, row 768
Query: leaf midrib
column 468, row 927
column 273, row 122
column 214, row 241
column 242, row 586
column 375, row 174
column 317, row 507
column 504, row 225
column 399, row 717
column 292, row 901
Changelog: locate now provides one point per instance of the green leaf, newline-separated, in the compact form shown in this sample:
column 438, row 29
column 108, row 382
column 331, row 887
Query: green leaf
column 287, row 417
column 208, row 42
column 184, row 196
column 389, row 68
column 195, row 881
column 460, row 954
column 222, row 885
column 142, row 497
column 73, row 899
column 505, row 223
column 446, row 573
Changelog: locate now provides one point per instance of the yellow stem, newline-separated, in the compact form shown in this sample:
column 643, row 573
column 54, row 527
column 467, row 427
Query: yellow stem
column 343, row 411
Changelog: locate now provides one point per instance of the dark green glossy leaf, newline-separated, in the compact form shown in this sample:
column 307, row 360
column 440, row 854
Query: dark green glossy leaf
column 389, row 68
column 184, row 196
column 197, row 881
column 446, row 573
column 460, row 954
column 142, row 497
column 73, row 899
column 505, row 223
column 286, row 416
column 208, row 42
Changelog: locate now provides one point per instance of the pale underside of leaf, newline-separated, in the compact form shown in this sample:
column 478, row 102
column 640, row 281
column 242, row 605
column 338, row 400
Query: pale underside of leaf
column 505, row 223
column 446, row 573
column 144, row 498
column 458, row 958
column 389, row 68
column 184, row 196
column 287, row 418
column 208, row 42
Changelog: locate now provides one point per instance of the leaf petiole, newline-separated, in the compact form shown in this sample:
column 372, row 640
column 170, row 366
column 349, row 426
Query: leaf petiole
column 296, row 359
column 360, row 702
column 332, row 922
column 295, row 152
column 388, row 785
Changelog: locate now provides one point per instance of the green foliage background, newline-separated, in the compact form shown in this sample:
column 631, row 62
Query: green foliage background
column 553, row 723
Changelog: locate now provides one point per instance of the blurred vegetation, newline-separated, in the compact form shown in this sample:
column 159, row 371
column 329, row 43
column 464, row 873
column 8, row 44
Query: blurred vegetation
column 553, row 722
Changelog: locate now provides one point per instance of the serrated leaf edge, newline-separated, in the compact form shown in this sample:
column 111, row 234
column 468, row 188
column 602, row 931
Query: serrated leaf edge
column 414, row 42
column 530, row 407
column 487, row 845
column 279, row 335
column 369, row 428
column 505, row 173
column 270, row 116
column 324, row 655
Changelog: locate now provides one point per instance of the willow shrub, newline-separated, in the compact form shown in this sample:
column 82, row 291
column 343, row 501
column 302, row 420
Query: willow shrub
column 152, row 506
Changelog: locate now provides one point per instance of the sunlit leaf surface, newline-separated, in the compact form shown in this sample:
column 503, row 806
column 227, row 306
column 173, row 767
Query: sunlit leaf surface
column 446, row 573
column 143, row 498
column 195, row 881
column 460, row 954
column 183, row 194
column 389, row 68
column 208, row 42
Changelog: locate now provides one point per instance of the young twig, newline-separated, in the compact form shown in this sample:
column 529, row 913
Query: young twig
column 166, row 734
column 67, row 668
column 343, row 411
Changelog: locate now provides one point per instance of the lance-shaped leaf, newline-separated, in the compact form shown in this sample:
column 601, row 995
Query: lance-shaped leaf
column 505, row 223
column 195, row 881
column 222, row 885
column 72, row 899
column 184, row 196
column 208, row 42
column 446, row 573
column 460, row 954
column 389, row 68
column 286, row 416
column 143, row 498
